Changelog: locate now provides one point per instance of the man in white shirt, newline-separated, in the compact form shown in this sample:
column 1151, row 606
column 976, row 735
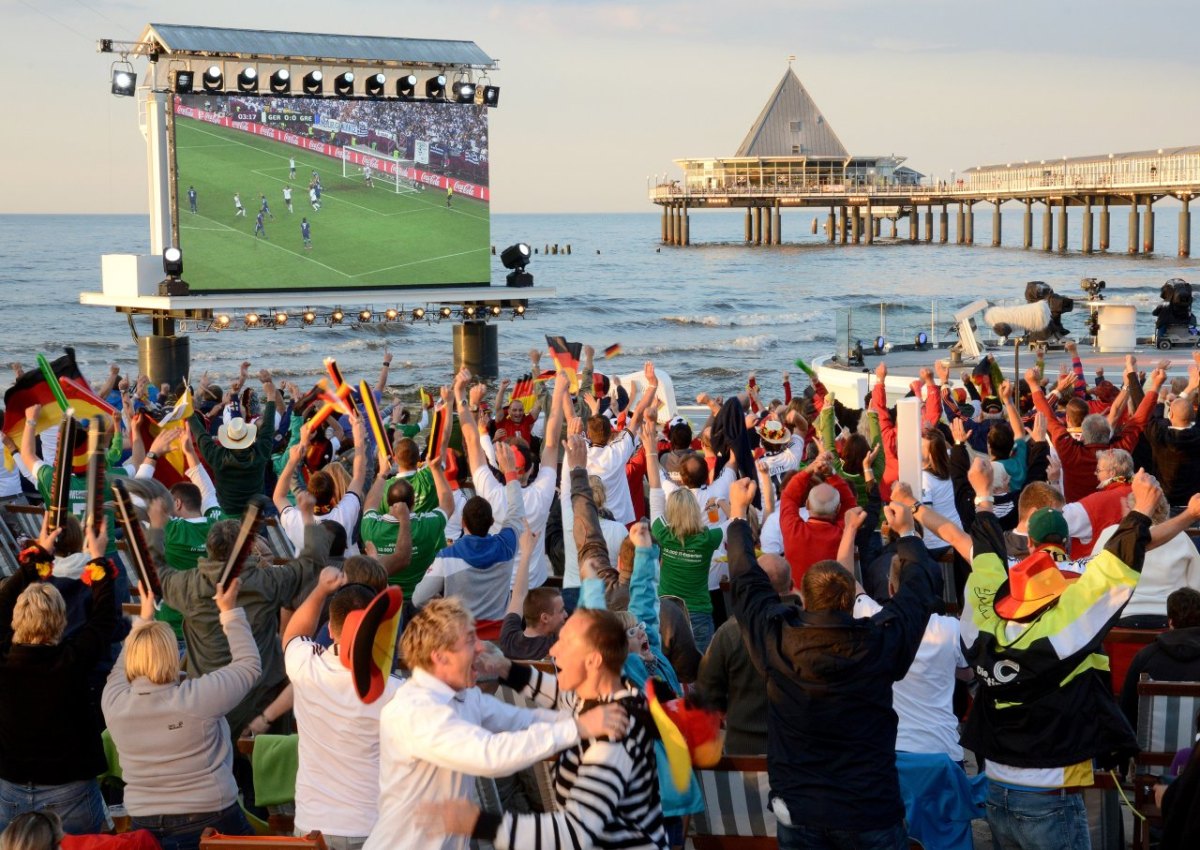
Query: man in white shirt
column 337, row 784
column 537, row 491
column 924, row 699
column 439, row 731
column 609, row 450
column 344, row 511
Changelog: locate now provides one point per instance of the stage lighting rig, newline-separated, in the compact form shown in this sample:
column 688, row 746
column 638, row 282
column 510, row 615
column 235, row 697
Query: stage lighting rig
column 373, row 85
column 406, row 87
column 335, row 318
column 173, row 284
column 464, row 92
column 364, row 317
column 308, row 317
column 124, row 80
column 247, row 80
column 445, row 313
column 213, row 79
column 184, row 81
column 343, row 84
column 435, row 87
column 281, row 81
column 418, row 314
column 313, row 82
column 491, row 95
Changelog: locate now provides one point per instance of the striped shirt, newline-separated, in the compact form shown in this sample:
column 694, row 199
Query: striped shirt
column 606, row 792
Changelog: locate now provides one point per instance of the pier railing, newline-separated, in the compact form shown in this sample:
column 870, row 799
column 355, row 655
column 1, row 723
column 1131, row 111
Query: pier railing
column 1153, row 174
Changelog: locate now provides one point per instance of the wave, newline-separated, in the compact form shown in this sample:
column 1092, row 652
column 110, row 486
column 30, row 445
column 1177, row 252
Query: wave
column 746, row 320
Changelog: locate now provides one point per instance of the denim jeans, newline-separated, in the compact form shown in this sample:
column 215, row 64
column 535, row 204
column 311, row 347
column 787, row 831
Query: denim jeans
column 182, row 832
column 702, row 629
column 1032, row 820
column 818, row 838
column 79, row 804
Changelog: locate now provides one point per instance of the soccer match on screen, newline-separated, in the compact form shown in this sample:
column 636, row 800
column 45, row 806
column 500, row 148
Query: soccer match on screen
column 293, row 193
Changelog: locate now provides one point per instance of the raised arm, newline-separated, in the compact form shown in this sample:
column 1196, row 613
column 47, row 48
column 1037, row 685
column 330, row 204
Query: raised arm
column 306, row 619
column 554, row 423
column 358, row 472
column 381, row 384
column 649, row 397
column 287, row 476
column 520, row 588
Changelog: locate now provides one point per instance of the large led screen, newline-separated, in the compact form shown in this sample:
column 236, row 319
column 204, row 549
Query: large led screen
column 294, row 193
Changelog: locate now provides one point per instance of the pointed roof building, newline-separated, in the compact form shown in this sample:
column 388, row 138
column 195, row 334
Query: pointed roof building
column 791, row 125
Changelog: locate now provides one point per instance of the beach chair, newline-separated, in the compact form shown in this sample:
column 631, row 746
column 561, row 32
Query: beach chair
column 542, row 772
column 28, row 517
column 1120, row 645
column 274, row 761
column 1166, row 724
column 737, row 810
column 10, row 552
column 212, row 840
column 277, row 539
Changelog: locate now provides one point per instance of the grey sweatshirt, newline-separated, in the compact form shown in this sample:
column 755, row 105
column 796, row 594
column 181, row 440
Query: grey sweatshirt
column 173, row 739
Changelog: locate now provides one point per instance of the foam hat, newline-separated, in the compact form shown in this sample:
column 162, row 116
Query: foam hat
column 1033, row 585
column 368, row 643
column 772, row 431
column 237, row 433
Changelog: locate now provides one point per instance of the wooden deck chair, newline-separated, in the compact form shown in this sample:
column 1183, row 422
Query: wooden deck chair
column 10, row 552
column 543, row 774
column 737, row 812
column 28, row 517
column 277, row 766
column 213, row 840
column 277, row 539
column 1120, row 645
column 1166, row 724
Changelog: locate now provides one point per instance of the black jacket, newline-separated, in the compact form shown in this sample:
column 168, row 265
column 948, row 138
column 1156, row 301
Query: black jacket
column 48, row 736
column 1173, row 657
column 831, row 730
column 1176, row 457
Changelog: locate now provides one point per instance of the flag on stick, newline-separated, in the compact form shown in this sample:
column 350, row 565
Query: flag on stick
column 612, row 351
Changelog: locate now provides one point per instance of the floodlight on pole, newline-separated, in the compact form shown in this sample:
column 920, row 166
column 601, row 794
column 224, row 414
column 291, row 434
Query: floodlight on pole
column 124, row 80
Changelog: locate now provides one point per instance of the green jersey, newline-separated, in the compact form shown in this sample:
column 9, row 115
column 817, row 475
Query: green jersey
column 428, row 538
column 77, row 496
column 425, row 497
column 184, row 542
column 685, row 565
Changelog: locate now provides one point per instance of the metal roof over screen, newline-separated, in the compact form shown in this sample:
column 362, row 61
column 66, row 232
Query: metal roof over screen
column 267, row 45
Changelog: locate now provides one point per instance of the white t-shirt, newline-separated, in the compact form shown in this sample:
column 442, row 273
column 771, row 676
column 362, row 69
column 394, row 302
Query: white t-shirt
column 924, row 698
column 770, row 538
column 608, row 463
column 938, row 493
column 345, row 513
column 538, row 496
column 337, row 785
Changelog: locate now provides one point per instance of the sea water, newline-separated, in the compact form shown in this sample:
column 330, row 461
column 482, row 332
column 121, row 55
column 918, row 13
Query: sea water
column 707, row 314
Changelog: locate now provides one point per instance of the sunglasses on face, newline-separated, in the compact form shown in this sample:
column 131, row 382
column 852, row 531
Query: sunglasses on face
column 633, row 630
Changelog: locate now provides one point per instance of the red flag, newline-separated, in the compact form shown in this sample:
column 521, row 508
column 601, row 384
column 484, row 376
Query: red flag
column 566, row 358
column 612, row 351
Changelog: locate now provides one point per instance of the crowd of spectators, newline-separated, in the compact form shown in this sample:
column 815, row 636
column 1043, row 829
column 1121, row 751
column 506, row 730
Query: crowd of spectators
column 766, row 562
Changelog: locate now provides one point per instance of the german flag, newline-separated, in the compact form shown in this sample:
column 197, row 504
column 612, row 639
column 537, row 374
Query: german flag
column 523, row 392
column 86, row 403
column 32, row 388
column 171, row 468
column 612, row 351
column 566, row 359
column 439, row 421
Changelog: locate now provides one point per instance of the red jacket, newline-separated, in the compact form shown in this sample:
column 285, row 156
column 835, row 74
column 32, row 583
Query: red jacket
column 1103, row 508
column 1079, row 460
column 807, row 541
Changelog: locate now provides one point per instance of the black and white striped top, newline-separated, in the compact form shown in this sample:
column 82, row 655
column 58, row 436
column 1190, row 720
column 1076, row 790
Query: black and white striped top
column 606, row 792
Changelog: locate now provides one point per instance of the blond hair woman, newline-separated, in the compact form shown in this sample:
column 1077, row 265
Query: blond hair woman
column 50, row 750
column 171, row 735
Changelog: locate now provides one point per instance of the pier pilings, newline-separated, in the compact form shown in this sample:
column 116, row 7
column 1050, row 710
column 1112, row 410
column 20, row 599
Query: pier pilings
column 1185, row 228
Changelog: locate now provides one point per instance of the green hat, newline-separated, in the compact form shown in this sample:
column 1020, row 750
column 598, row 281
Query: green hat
column 1048, row 525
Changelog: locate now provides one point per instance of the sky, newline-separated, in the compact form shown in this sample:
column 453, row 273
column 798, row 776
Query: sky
column 598, row 96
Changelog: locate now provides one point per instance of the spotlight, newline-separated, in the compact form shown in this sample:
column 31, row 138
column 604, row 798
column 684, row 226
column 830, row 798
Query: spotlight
column 392, row 314
column 364, row 316
column 222, row 320
column 406, row 86
column 464, row 92
column 247, row 79
column 124, row 80
column 491, row 95
column 213, row 79
column 343, row 83
column 469, row 311
column 418, row 314
column 922, row 341
column 280, row 319
column 335, row 318
column 173, row 262
column 435, row 87
column 494, row 309
column 880, row 344
column 444, row 313
column 373, row 85
column 516, row 257
column 519, row 310
column 281, row 81
column 252, row 320
column 184, row 81
column 308, row 317
column 313, row 83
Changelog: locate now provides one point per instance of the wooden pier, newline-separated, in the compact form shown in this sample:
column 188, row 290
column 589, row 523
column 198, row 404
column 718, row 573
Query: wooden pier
column 791, row 158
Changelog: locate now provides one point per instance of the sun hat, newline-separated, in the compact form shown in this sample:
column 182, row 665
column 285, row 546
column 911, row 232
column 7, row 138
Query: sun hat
column 772, row 431
column 237, row 433
column 368, row 643
column 1033, row 585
